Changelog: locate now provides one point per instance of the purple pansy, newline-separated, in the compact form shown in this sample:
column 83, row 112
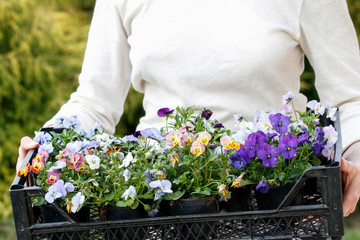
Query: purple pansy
column 262, row 187
column 154, row 212
column 131, row 138
column 279, row 122
column 218, row 125
column 270, row 135
column 240, row 158
column 151, row 133
column 162, row 112
column 94, row 129
column 58, row 165
column 303, row 138
column 42, row 137
column 287, row 98
column 69, row 187
column 206, row 114
column 317, row 148
column 76, row 146
column 268, row 155
column 55, row 191
column 164, row 186
column 319, row 134
column 67, row 122
column 48, row 147
column 254, row 142
column 288, row 145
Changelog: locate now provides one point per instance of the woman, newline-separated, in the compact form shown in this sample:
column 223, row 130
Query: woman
column 229, row 56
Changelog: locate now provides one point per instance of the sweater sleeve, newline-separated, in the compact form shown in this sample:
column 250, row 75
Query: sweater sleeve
column 104, row 81
column 329, row 40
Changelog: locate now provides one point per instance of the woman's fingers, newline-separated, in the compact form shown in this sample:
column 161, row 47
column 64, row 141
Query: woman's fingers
column 26, row 144
column 351, row 186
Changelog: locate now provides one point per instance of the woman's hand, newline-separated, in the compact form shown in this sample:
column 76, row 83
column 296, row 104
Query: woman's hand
column 25, row 145
column 350, row 174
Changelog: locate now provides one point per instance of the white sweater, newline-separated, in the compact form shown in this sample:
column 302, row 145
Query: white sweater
column 231, row 56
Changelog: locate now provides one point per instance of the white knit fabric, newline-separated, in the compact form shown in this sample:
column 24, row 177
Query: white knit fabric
column 231, row 56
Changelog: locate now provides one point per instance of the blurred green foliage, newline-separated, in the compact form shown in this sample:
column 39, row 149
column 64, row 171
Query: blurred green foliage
column 41, row 49
column 42, row 43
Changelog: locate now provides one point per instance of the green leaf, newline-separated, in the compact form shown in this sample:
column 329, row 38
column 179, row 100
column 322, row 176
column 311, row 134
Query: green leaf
column 147, row 207
column 316, row 162
column 135, row 204
column 281, row 176
column 201, row 192
column 173, row 196
column 246, row 182
column 121, row 204
column 109, row 196
column 213, row 157
column 130, row 202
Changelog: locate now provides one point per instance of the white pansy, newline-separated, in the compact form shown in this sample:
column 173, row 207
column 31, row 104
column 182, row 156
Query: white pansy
column 127, row 160
column 93, row 161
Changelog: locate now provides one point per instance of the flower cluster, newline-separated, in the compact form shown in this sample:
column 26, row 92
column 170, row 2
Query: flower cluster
column 191, row 156
column 277, row 147
column 194, row 160
column 79, row 169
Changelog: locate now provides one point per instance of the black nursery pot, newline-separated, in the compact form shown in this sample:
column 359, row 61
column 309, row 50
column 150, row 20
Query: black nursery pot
column 240, row 200
column 273, row 198
column 197, row 230
column 50, row 214
column 113, row 212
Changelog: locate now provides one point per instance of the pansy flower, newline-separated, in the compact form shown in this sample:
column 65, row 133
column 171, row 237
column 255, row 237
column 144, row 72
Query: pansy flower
column 187, row 127
column 58, row 165
column 237, row 182
column 287, row 98
column 52, row 177
column 288, row 145
column 36, row 166
column 162, row 112
column 93, row 161
column 204, row 138
column 330, row 135
column 129, row 193
column 77, row 201
column 173, row 138
column 268, row 155
column 223, row 190
column 197, row 148
column 279, row 122
column 206, row 114
column 240, row 158
column 42, row 137
column 55, row 191
column 262, row 186
column 162, row 187
column 229, row 143
column 186, row 139
column 75, row 162
column 24, row 171
column 127, row 160
column 151, row 133
column 254, row 142
column 127, row 175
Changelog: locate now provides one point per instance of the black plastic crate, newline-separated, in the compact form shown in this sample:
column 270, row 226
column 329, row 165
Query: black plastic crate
column 319, row 217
